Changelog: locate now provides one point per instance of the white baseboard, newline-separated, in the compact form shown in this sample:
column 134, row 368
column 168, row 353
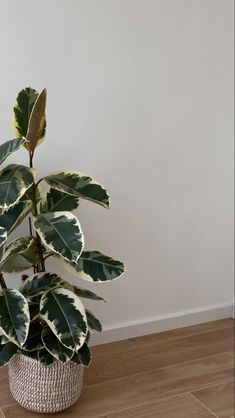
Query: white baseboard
column 161, row 323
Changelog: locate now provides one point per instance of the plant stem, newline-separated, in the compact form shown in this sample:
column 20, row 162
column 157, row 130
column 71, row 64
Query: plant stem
column 30, row 227
column 2, row 282
column 35, row 213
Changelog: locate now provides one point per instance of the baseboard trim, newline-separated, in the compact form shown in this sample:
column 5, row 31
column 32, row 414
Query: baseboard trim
column 161, row 323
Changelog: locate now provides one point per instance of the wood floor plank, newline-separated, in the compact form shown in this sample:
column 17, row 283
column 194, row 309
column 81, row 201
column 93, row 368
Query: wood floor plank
column 162, row 354
column 219, row 399
column 160, row 337
column 111, row 348
column 124, row 393
column 3, row 372
column 182, row 406
column 5, row 394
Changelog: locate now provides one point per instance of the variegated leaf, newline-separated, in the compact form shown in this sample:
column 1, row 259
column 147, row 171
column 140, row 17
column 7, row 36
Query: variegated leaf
column 45, row 357
column 95, row 267
column 22, row 110
column 83, row 356
column 13, row 216
column 61, row 232
column 39, row 283
column 14, row 315
column 82, row 293
column 34, row 341
column 37, row 122
column 33, row 310
column 78, row 184
column 9, row 147
column 15, row 180
column 20, row 255
column 59, row 201
column 93, row 322
column 3, row 235
column 65, row 315
column 6, row 353
column 3, row 339
column 54, row 346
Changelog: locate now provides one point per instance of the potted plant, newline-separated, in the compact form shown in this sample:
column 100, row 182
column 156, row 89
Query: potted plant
column 45, row 326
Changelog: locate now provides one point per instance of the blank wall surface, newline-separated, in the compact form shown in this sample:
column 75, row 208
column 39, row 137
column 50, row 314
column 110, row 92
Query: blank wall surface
column 140, row 97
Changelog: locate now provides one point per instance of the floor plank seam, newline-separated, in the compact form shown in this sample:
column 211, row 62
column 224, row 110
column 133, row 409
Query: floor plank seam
column 202, row 404
column 157, row 368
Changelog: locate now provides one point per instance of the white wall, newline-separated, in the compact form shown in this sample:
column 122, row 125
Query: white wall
column 140, row 97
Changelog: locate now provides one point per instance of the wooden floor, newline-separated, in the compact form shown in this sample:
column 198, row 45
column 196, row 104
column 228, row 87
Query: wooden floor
column 186, row 373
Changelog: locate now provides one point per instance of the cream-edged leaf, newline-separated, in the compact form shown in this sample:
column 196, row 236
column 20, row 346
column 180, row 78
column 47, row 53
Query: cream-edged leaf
column 14, row 315
column 22, row 110
column 64, row 313
column 54, row 346
column 7, row 352
column 61, row 232
column 3, row 235
column 34, row 341
column 93, row 322
column 20, row 255
column 83, row 356
column 15, row 180
column 56, row 200
column 80, row 185
column 94, row 266
column 37, row 122
column 81, row 292
column 39, row 283
column 45, row 357
column 14, row 215
column 8, row 147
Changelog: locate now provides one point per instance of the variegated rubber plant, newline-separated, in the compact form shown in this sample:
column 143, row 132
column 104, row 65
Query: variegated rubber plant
column 45, row 319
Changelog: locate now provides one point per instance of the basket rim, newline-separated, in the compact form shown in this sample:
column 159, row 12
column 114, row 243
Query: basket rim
column 38, row 363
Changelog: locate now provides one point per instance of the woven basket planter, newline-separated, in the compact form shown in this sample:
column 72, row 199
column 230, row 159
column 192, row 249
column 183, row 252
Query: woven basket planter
column 44, row 389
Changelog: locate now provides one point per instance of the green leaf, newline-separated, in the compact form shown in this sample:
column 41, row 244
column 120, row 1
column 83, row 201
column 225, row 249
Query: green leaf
column 45, row 357
column 61, row 232
column 78, row 184
column 24, row 277
column 34, row 341
column 14, row 182
column 65, row 315
column 7, row 352
column 93, row 322
column 9, row 147
column 20, row 255
column 83, row 356
column 39, row 283
column 80, row 292
column 14, row 315
column 3, row 235
column 37, row 122
column 22, row 112
column 3, row 340
column 95, row 267
column 59, row 201
column 13, row 216
column 54, row 346
column 34, row 311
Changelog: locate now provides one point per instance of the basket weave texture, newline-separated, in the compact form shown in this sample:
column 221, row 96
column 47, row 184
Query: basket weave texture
column 44, row 389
